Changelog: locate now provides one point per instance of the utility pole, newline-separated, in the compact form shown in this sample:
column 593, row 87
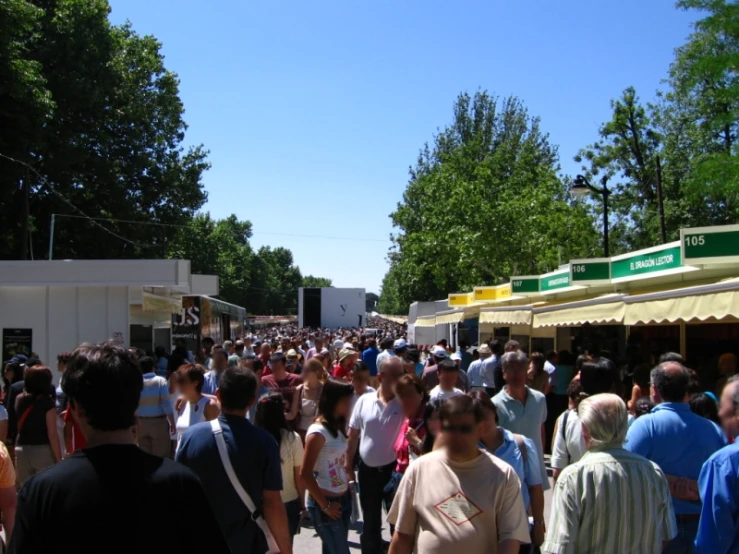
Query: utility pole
column 25, row 223
column 660, row 202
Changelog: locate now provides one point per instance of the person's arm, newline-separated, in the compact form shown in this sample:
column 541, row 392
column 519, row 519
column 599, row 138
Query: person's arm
column 510, row 516
column 211, row 411
column 53, row 434
column 683, row 488
column 166, row 405
column 638, row 437
column 295, row 405
column 313, row 445
column 276, row 518
column 298, row 453
column 718, row 511
column 402, row 544
column 564, row 520
column 635, row 394
column 509, row 546
column 536, row 497
column 8, row 500
column 4, row 430
column 351, row 451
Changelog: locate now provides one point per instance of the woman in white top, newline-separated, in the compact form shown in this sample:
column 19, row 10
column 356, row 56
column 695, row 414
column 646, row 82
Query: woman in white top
column 304, row 407
column 323, row 468
column 270, row 416
column 195, row 407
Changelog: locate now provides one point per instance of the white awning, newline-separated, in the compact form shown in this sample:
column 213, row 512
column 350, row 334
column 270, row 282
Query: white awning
column 520, row 315
column 425, row 321
column 603, row 310
column 716, row 301
column 455, row 316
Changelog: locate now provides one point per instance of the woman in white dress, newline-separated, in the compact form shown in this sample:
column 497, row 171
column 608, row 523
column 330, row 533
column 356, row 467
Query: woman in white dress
column 196, row 407
column 304, row 408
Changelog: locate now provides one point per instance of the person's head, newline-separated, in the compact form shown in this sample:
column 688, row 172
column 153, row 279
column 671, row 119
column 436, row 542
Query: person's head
column 604, row 421
column 257, row 366
column 12, row 373
column 461, row 425
column 146, row 364
column 38, row 380
column 448, row 374
column 220, row 359
column 536, row 363
column 669, row 383
column 265, row 349
column 438, row 353
column 484, row 351
column 247, row 342
column 643, row 406
column 278, row 363
column 515, row 365
column 371, row 343
column 580, row 361
column 228, row 346
column 411, row 393
column 318, row 343
column 642, row 376
column 207, row 344
column 671, row 357
column 553, row 357
column 496, row 347
column 270, row 415
column 237, row 390
column 103, row 384
column 574, row 393
column 729, row 408
column 389, row 371
column 334, row 405
column 347, row 358
column 400, row 347
column 360, row 376
column 62, row 360
column 598, row 375
column 512, row 346
column 312, row 372
column 239, row 348
column 489, row 411
column 190, row 379
column 727, row 364
column 705, row 406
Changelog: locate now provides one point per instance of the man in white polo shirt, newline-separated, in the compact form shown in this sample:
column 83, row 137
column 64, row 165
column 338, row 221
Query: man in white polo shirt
column 376, row 420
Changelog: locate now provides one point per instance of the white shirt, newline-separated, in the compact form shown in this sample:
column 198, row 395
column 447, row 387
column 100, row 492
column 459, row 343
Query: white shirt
column 570, row 448
column 291, row 456
column 382, row 355
column 438, row 396
column 551, row 370
column 379, row 425
column 329, row 468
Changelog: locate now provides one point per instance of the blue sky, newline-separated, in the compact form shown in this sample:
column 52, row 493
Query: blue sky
column 313, row 111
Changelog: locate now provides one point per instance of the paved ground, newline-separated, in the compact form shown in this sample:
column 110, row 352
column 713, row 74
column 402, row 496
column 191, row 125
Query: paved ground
column 307, row 542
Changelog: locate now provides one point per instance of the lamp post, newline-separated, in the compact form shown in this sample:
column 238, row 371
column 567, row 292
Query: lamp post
column 582, row 187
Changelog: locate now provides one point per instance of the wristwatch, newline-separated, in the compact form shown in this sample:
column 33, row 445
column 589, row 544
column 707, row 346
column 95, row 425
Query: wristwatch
column 539, row 522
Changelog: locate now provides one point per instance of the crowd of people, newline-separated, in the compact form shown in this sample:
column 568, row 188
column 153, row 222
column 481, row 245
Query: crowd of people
column 252, row 439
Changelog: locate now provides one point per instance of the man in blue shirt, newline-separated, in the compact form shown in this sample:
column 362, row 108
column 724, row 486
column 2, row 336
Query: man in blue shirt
column 256, row 461
column 369, row 357
column 718, row 530
column 677, row 440
column 213, row 377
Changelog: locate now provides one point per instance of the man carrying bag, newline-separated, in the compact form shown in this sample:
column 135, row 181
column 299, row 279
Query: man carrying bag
column 239, row 466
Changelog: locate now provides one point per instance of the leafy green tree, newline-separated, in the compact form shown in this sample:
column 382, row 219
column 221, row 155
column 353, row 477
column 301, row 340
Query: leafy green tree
column 103, row 135
column 316, row 282
column 482, row 204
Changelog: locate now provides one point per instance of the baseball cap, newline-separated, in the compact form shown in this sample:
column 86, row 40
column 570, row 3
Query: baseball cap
column 438, row 352
column 338, row 344
column 456, row 357
column 400, row 344
column 18, row 359
column 484, row 349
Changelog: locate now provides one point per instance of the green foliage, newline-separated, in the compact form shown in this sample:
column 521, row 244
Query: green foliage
column 264, row 282
column 316, row 282
column 483, row 204
column 93, row 109
column 371, row 300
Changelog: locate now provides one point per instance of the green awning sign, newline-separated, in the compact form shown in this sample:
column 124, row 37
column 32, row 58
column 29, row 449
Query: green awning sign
column 710, row 245
column 593, row 271
column 651, row 260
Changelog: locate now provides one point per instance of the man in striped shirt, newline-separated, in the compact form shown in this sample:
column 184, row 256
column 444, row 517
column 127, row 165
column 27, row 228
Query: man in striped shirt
column 155, row 416
column 612, row 501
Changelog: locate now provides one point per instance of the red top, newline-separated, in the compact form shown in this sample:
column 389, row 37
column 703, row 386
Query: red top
column 78, row 439
column 341, row 372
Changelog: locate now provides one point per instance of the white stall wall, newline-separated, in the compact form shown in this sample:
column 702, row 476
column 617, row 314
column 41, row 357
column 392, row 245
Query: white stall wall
column 63, row 317
column 343, row 307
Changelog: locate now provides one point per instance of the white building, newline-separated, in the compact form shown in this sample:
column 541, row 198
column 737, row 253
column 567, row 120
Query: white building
column 56, row 305
column 332, row 307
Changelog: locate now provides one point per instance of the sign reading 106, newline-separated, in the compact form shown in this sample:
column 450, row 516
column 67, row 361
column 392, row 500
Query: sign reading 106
column 578, row 269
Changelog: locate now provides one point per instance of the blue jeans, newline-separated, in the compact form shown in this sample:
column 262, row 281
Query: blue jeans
column 293, row 516
column 334, row 533
column 683, row 543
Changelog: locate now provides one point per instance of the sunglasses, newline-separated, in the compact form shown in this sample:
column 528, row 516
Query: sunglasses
column 461, row 429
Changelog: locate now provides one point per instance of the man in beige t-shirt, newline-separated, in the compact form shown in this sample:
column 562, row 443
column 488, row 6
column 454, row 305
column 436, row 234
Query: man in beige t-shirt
column 459, row 499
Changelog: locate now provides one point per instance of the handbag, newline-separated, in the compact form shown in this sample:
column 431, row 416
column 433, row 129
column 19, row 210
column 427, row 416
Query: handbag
column 256, row 514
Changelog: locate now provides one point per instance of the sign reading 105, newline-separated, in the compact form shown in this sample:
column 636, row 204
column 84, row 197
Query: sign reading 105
column 695, row 240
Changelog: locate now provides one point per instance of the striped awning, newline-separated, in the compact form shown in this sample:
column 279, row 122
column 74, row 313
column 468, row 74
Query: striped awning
column 505, row 317
column 605, row 310
column 457, row 316
column 425, row 321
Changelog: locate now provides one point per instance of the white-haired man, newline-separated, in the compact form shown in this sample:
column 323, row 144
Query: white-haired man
column 612, row 501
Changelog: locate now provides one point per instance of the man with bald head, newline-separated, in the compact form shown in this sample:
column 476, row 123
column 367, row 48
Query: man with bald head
column 677, row 440
column 595, row 497
column 718, row 531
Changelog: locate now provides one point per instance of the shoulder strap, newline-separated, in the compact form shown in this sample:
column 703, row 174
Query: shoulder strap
column 26, row 413
column 256, row 514
column 522, row 447
column 563, row 432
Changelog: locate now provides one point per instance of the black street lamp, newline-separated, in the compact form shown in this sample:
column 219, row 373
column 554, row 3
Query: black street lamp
column 581, row 187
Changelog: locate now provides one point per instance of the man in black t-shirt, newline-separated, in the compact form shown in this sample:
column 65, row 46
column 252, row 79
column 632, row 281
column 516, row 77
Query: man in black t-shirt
column 112, row 497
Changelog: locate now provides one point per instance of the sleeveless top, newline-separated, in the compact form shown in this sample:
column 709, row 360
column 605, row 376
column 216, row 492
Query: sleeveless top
column 189, row 415
column 308, row 410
